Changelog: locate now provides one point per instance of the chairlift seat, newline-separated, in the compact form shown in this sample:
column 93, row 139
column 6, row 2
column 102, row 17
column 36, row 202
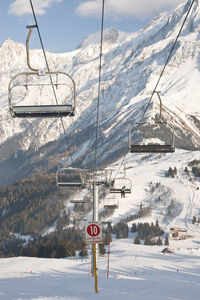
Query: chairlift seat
column 106, row 222
column 81, row 220
column 69, row 177
column 77, row 201
column 70, row 184
column 110, row 206
column 42, row 111
column 152, row 148
column 118, row 191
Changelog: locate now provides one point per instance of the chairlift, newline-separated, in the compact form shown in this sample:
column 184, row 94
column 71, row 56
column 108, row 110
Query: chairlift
column 102, row 177
column 111, row 203
column 81, row 217
column 24, row 85
column 157, row 137
column 121, row 184
column 150, row 144
column 81, row 220
column 79, row 196
column 108, row 223
column 70, row 177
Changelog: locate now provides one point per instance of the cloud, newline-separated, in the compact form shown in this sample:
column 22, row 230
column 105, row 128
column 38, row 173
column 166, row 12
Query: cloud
column 22, row 7
column 126, row 8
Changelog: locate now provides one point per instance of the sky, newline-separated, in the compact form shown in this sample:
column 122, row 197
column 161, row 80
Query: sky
column 65, row 23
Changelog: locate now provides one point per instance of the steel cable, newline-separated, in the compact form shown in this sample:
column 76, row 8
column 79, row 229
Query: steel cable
column 99, row 82
column 161, row 74
column 53, row 88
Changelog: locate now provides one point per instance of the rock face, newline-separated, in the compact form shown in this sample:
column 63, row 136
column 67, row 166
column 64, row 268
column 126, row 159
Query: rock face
column 131, row 65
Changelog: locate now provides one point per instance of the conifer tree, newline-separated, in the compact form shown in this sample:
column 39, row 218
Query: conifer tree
column 166, row 241
column 133, row 228
column 137, row 240
column 83, row 251
column 159, row 241
column 148, row 241
column 102, row 249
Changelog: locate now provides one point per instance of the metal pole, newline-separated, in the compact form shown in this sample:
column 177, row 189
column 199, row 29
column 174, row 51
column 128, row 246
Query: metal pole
column 95, row 219
column 95, row 202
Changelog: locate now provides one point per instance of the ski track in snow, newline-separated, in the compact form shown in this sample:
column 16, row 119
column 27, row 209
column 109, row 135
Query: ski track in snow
column 139, row 272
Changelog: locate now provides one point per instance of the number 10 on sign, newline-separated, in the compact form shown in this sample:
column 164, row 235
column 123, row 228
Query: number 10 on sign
column 93, row 232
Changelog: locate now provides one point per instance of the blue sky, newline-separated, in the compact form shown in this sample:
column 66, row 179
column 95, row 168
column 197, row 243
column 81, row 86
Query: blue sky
column 64, row 23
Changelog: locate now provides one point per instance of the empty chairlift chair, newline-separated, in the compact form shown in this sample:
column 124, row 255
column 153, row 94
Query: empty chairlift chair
column 152, row 137
column 41, row 93
column 79, row 196
column 111, row 203
column 70, row 177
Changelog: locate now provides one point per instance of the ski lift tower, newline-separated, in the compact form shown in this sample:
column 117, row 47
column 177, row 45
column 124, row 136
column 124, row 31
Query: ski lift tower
column 99, row 178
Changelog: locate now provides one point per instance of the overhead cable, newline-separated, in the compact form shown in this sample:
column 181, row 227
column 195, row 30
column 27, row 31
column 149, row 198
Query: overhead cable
column 161, row 74
column 47, row 65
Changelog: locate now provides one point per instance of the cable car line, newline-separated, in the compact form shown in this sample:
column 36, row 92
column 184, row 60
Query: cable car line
column 99, row 81
column 53, row 88
column 168, row 58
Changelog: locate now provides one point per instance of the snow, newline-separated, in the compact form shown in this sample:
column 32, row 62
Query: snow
column 111, row 36
column 136, row 271
column 131, row 66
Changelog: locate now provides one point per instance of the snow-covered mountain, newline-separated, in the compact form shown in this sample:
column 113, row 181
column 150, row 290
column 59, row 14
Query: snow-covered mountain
column 131, row 67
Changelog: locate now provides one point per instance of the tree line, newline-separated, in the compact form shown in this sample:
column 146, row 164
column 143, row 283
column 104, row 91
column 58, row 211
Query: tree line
column 53, row 245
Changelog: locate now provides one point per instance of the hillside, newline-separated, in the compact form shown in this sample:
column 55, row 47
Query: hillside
column 137, row 271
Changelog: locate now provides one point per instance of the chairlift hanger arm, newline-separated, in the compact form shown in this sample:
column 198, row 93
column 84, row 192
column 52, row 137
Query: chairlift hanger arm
column 30, row 27
column 160, row 116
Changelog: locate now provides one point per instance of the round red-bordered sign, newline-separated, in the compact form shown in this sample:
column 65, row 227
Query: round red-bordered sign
column 93, row 230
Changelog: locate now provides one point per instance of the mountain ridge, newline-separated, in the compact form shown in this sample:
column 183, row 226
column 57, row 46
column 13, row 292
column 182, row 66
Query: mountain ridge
column 130, row 69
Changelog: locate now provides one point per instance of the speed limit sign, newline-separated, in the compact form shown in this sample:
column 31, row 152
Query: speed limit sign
column 93, row 232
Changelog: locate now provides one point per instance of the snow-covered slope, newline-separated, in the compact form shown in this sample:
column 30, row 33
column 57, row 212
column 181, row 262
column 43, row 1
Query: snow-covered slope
column 131, row 66
column 136, row 272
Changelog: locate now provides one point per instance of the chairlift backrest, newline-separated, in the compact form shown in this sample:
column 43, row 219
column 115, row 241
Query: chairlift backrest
column 111, row 202
column 70, row 177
